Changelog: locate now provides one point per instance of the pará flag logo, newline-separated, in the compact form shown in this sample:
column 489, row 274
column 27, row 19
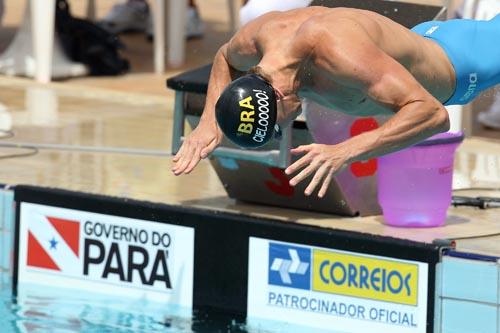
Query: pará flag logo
column 53, row 243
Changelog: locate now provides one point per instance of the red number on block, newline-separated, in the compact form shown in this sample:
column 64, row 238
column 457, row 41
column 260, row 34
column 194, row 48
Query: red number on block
column 283, row 187
column 363, row 168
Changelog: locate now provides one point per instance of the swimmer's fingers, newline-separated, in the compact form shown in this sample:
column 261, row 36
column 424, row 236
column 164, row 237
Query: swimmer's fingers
column 192, row 150
column 303, row 174
column 328, row 168
column 185, row 159
column 336, row 161
column 326, row 183
column 326, row 159
column 300, row 163
column 194, row 160
column 301, row 149
column 316, row 179
column 209, row 148
column 179, row 154
column 185, row 149
column 178, row 157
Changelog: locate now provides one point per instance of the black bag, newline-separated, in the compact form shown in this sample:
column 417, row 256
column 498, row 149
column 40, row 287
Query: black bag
column 87, row 43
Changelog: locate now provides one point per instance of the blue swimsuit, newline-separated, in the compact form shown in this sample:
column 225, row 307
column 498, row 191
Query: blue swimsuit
column 473, row 48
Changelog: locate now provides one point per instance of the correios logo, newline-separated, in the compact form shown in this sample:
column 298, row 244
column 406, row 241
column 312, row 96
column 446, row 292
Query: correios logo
column 343, row 273
column 100, row 251
column 289, row 266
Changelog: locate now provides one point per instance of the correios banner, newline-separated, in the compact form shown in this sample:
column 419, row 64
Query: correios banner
column 345, row 291
column 106, row 254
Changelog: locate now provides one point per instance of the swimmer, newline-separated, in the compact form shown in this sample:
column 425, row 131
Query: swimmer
column 354, row 61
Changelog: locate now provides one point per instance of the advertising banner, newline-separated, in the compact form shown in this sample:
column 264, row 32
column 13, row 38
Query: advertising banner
column 340, row 290
column 105, row 254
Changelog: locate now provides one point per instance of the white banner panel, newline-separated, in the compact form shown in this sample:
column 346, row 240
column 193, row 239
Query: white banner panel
column 108, row 254
column 337, row 290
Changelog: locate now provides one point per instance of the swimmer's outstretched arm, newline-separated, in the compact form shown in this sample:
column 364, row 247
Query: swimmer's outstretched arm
column 364, row 66
column 207, row 135
column 234, row 57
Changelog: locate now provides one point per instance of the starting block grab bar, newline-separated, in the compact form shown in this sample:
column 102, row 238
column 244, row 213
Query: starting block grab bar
column 274, row 158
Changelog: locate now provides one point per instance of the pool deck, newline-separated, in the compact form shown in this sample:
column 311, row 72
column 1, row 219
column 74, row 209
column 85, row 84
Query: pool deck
column 77, row 130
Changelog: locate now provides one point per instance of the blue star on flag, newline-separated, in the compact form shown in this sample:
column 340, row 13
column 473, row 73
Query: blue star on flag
column 53, row 243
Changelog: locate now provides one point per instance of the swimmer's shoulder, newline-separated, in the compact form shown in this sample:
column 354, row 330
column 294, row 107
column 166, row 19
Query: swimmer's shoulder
column 302, row 24
column 274, row 26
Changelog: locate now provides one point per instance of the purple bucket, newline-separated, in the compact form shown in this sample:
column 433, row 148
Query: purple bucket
column 414, row 184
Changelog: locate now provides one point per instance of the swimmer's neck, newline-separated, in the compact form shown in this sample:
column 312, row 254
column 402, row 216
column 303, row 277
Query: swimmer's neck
column 283, row 77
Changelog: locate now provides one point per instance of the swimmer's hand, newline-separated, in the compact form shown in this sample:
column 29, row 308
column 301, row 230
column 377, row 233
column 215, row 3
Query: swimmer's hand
column 322, row 160
column 201, row 142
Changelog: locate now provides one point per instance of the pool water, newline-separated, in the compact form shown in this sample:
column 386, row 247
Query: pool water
column 42, row 309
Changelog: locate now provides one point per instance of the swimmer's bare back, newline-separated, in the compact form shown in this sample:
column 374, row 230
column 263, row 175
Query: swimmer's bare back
column 304, row 38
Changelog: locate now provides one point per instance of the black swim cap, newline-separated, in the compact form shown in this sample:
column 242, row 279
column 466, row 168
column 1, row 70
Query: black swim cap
column 246, row 111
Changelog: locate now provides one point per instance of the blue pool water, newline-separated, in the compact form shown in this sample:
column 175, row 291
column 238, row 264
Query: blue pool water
column 42, row 309
column 50, row 310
